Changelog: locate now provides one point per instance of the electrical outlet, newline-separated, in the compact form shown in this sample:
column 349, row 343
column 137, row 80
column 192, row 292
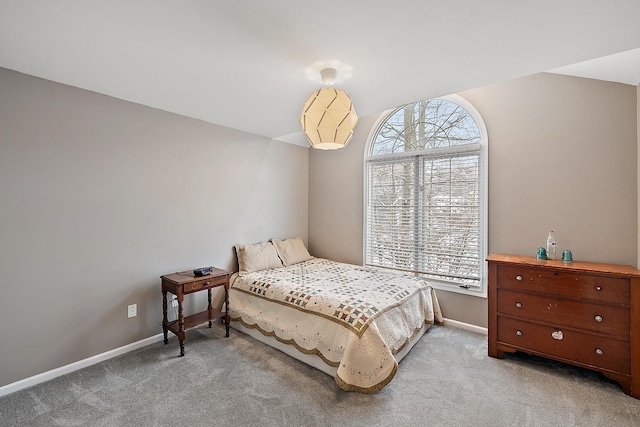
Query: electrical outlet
column 174, row 302
column 132, row 310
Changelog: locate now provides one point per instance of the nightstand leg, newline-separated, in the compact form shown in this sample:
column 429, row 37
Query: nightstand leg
column 209, row 306
column 180, row 323
column 164, row 316
column 227, row 319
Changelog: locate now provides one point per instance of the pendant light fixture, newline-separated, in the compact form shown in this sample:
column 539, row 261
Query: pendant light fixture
column 328, row 117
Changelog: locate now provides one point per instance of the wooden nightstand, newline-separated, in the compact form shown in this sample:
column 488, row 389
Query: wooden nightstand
column 183, row 283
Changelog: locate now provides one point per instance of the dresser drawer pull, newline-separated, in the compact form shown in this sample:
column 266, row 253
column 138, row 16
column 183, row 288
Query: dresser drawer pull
column 519, row 333
column 599, row 352
column 598, row 288
column 519, row 278
column 557, row 335
column 207, row 283
column 519, row 304
column 598, row 319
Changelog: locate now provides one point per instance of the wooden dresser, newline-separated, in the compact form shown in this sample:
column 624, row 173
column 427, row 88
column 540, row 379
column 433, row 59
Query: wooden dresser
column 586, row 314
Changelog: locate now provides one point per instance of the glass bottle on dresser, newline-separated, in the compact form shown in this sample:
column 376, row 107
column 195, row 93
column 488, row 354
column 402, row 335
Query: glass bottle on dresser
column 551, row 246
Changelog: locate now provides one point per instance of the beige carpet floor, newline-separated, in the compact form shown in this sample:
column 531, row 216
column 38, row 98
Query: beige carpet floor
column 446, row 380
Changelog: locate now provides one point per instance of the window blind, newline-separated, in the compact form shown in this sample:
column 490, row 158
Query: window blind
column 424, row 216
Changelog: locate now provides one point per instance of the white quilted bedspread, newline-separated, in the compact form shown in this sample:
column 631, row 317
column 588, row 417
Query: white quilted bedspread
column 354, row 318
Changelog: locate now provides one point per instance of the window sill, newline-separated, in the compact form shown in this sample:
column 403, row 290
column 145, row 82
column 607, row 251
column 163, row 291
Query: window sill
column 479, row 292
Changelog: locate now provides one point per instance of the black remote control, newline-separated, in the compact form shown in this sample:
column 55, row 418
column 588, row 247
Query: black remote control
column 203, row 271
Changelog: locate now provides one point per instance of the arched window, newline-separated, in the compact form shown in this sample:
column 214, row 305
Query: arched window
column 425, row 195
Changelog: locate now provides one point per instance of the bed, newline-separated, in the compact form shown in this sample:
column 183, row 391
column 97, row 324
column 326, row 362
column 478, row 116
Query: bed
column 352, row 322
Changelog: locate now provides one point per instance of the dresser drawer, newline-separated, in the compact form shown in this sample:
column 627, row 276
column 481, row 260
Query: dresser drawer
column 613, row 290
column 204, row 283
column 583, row 348
column 604, row 319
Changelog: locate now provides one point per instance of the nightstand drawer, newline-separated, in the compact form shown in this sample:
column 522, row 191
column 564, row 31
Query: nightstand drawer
column 204, row 283
column 584, row 348
column 604, row 319
column 613, row 290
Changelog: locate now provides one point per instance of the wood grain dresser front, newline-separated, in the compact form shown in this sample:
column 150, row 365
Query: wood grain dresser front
column 585, row 314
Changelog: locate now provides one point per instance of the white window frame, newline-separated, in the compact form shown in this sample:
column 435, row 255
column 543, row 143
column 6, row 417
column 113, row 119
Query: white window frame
column 481, row 290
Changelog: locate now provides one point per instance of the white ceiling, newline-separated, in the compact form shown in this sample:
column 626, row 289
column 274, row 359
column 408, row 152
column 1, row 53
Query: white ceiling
column 245, row 64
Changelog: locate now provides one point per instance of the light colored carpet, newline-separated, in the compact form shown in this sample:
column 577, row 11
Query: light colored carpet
column 446, row 380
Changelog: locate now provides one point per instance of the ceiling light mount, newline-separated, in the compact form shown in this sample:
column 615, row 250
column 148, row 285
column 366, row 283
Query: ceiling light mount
column 328, row 117
column 328, row 76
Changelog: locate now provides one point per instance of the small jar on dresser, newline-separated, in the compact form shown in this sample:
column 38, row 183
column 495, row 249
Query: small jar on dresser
column 582, row 313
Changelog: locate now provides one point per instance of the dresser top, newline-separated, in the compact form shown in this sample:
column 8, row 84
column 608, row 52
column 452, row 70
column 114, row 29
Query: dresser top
column 578, row 266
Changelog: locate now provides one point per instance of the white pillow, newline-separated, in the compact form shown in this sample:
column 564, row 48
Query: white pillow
column 259, row 256
column 291, row 251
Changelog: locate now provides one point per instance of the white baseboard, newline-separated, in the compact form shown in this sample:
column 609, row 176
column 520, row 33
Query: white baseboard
column 465, row 326
column 54, row 373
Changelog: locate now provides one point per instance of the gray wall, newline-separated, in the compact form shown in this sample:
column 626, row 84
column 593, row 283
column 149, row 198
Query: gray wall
column 99, row 197
column 562, row 156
